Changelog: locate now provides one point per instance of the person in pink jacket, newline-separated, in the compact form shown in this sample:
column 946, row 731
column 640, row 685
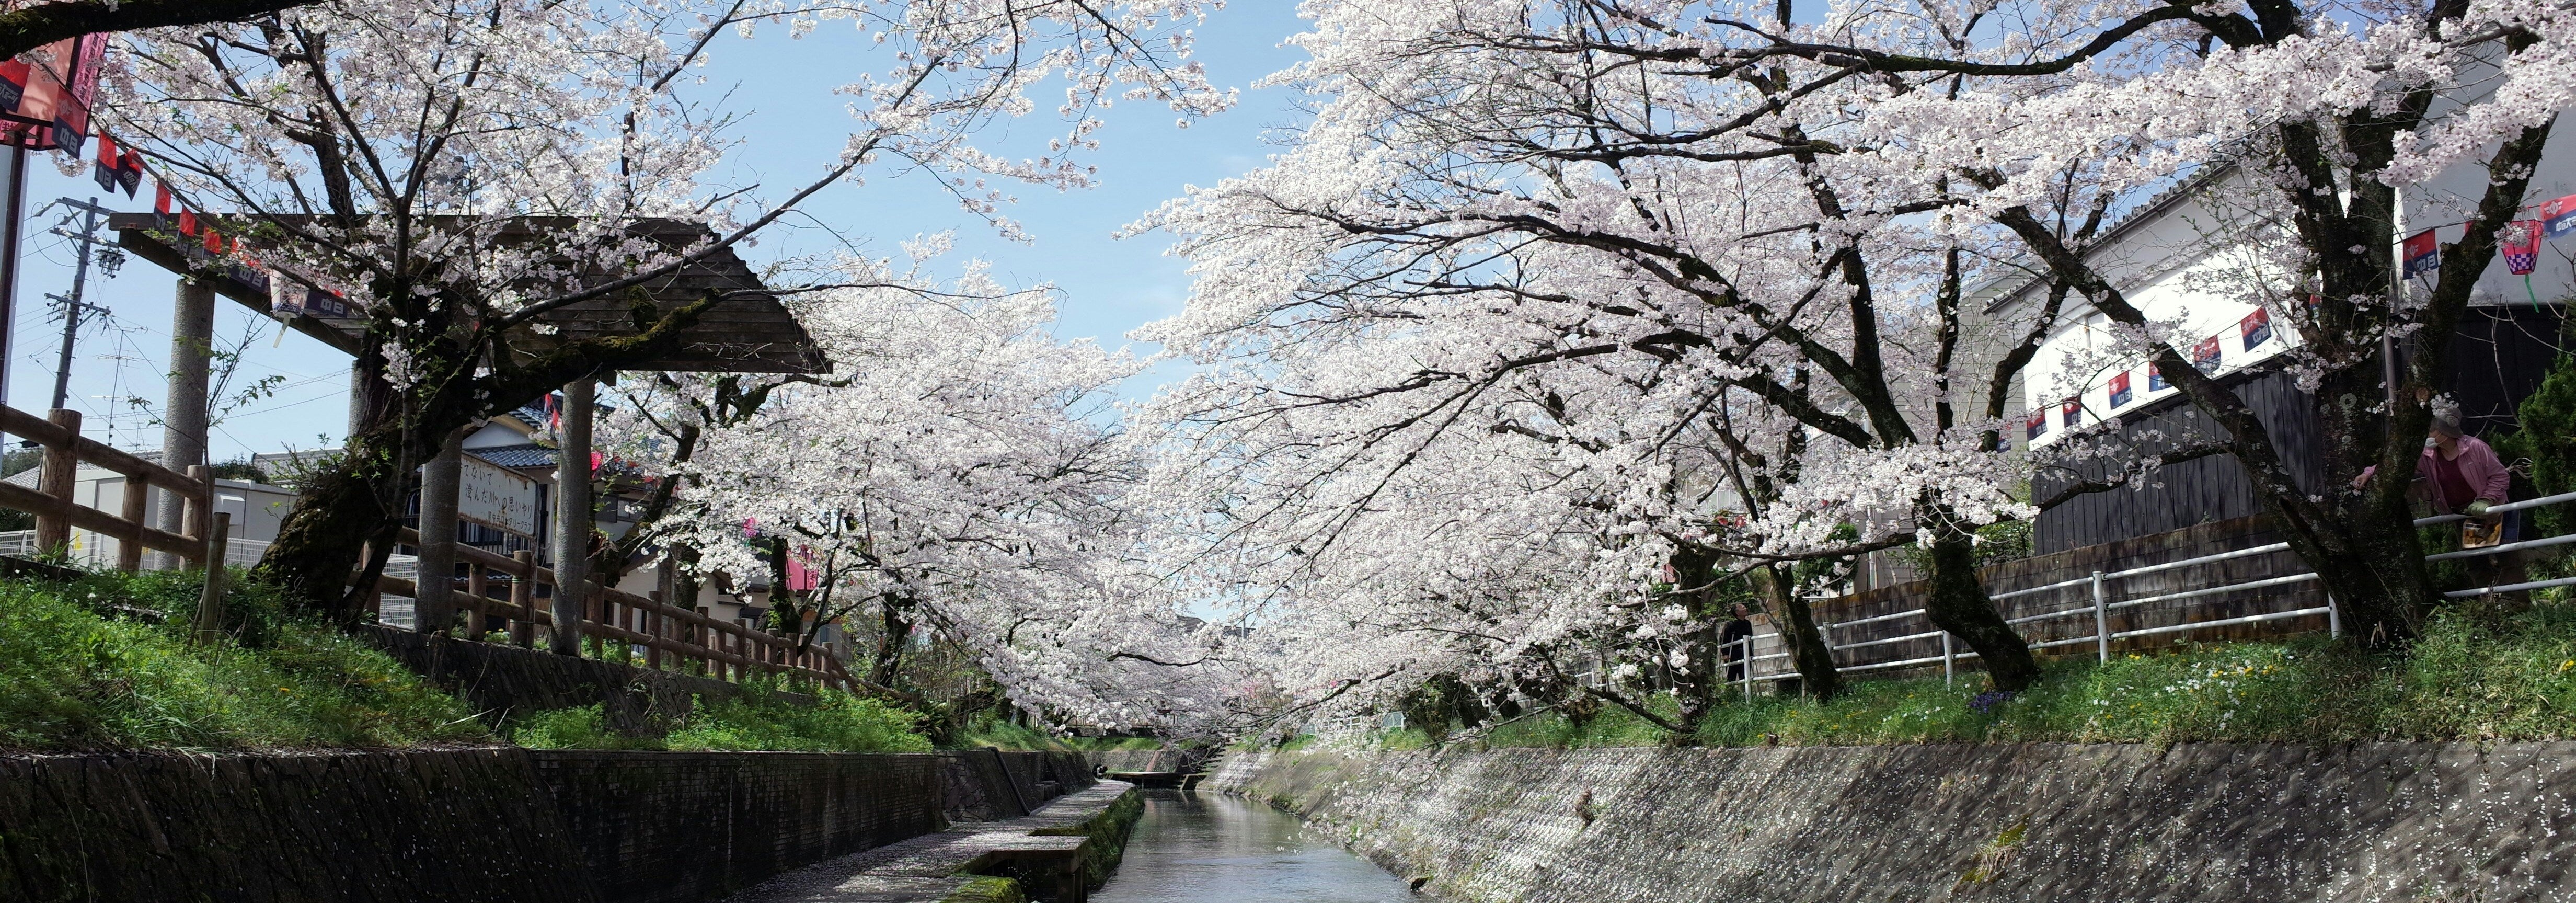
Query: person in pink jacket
column 2460, row 474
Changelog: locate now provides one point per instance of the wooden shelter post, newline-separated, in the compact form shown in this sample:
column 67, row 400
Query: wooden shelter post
column 435, row 605
column 184, row 408
column 572, row 524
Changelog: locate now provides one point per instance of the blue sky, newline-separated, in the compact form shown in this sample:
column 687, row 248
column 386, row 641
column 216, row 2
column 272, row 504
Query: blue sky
column 793, row 127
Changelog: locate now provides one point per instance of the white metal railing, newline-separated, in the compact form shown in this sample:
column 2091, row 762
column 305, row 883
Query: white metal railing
column 2101, row 605
column 98, row 552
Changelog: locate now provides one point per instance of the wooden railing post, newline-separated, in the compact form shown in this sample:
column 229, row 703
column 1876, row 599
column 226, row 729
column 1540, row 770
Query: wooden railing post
column 523, row 598
column 200, row 513
column 653, row 622
column 478, row 622
column 61, row 466
column 136, row 510
column 210, row 601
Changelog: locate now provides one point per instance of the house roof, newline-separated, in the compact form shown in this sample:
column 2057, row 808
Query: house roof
column 516, row 456
column 747, row 332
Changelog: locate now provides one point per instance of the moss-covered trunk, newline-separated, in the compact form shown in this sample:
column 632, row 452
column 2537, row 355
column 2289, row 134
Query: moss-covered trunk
column 1796, row 623
column 1960, row 606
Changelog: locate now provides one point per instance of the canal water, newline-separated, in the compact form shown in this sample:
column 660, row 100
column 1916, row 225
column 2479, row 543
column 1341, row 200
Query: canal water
column 1197, row 847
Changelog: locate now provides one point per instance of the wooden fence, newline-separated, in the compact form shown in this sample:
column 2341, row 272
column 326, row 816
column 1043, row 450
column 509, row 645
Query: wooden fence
column 500, row 596
column 56, row 511
column 671, row 636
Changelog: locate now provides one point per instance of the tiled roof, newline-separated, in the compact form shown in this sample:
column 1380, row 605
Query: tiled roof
column 516, row 456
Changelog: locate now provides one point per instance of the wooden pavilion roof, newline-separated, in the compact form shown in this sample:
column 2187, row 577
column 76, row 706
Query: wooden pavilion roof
column 747, row 332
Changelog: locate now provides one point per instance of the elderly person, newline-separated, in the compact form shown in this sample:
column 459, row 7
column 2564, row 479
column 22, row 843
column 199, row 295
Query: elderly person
column 2460, row 474
column 1732, row 642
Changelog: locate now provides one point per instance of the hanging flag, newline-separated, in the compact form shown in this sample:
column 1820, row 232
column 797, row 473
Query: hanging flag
column 2038, row 425
column 13, row 85
column 187, row 222
column 53, row 88
column 2521, row 246
column 214, row 242
column 161, row 198
column 104, row 173
column 2423, row 253
column 2256, row 327
column 2204, row 356
column 2071, row 413
column 2559, row 216
column 2119, row 389
column 2156, row 379
column 129, row 171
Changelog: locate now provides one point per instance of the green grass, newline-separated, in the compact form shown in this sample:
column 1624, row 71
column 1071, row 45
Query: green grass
column 754, row 720
column 1000, row 734
column 93, row 664
column 2464, row 680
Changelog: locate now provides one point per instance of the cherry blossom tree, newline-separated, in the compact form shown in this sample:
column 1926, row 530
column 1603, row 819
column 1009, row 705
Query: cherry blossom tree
column 2306, row 120
column 1529, row 253
column 961, row 476
column 1552, row 230
column 459, row 170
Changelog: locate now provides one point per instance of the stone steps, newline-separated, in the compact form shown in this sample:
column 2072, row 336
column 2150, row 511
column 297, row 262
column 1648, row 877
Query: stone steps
column 1042, row 853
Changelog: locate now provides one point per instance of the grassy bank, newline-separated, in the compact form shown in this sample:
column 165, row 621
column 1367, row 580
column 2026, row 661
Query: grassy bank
column 999, row 734
column 755, row 720
column 2514, row 680
column 104, row 662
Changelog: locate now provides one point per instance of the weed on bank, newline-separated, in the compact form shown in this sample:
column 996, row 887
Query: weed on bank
column 757, row 719
column 2466, row 679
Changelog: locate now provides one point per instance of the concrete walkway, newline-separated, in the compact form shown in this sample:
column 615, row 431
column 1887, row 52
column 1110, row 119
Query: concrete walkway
column 952, row 866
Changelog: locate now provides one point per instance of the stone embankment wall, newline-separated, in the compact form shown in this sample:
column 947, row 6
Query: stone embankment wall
column 2196, row 822
column 489, row 824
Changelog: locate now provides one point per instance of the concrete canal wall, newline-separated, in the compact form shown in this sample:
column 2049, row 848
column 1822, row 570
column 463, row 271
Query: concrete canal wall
column 487, row 824
column 2195, row 822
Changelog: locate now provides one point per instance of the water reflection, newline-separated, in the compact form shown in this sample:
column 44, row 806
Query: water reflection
column 1198, row 847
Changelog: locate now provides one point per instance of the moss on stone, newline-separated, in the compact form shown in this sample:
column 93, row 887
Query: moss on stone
column 987, row 890
column 1108, row 834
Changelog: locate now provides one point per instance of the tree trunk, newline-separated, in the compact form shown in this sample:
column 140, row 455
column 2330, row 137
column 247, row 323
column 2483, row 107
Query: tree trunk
column 1702, row 676
column 354, row 502
column 1797, row 626
column 1959, row 605
column 888, row 669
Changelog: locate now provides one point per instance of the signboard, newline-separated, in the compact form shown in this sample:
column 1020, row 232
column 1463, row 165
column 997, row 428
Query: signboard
column 489, row 495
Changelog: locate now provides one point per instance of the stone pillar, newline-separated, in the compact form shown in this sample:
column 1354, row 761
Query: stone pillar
column 436, row 608
column 572, row 525
column 184, row 409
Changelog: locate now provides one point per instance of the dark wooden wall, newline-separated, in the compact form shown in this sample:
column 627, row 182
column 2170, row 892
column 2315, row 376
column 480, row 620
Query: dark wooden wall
column 2191, row 492
column 2497, row 359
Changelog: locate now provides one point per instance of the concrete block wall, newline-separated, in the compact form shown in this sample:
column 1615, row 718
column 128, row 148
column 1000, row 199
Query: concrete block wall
column 485, row 825
column 396, row 827
column 2360, row 823
column 680, row 827
column 990, row 785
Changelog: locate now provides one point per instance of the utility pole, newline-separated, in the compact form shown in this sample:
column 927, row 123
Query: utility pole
column 73, row 308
